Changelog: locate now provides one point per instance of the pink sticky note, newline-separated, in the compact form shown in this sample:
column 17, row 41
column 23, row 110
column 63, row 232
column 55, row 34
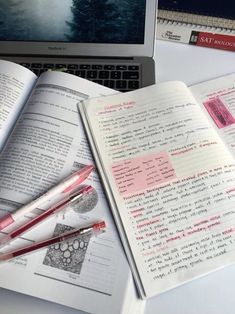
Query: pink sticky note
column 219, row 113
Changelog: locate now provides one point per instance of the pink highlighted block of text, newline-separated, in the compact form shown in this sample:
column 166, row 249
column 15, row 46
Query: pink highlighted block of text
column 133, row 175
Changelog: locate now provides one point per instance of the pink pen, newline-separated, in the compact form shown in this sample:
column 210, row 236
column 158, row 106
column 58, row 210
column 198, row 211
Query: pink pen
column 46, row 214
column 65, row 186
column 91, row 229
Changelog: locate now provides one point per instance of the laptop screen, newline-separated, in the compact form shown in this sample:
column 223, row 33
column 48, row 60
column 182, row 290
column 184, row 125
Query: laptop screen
column 74, row 21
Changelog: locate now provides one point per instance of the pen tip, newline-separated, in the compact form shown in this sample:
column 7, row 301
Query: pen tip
column 99, row 225
column 90, row 167
column 84, row 173
column 87, row 170
column 80, row 176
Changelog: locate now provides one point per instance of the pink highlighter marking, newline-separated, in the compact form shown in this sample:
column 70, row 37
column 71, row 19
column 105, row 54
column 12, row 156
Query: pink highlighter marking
column 132, row 175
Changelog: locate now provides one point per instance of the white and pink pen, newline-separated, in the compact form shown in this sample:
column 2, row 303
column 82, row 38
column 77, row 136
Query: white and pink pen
column 58, row 207
column 65, row 186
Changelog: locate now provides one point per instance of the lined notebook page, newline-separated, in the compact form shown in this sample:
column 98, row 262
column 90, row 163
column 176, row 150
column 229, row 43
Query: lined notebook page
column 170, row 176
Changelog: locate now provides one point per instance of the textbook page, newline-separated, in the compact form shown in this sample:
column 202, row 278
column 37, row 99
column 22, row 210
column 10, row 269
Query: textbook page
column 167, row 174
column 16, row 83
column 48, row 144
column 217, row 99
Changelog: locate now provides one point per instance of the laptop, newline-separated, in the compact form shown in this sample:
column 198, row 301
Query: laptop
column 109, row 42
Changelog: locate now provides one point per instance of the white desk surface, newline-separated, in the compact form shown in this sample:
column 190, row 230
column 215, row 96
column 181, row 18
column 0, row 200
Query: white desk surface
column 212, row 294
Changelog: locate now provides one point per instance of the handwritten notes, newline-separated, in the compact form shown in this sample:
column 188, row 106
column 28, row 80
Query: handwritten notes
column 172, row 180
column 185, row 224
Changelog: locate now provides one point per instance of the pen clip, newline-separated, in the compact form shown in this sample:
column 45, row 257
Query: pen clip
column 74, row 197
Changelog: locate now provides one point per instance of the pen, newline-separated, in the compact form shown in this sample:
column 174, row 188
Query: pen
column 46, row 214
column 91, row 229
column 63, row 187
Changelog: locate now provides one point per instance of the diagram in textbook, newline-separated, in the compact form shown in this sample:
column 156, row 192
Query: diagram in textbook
column 68, row 256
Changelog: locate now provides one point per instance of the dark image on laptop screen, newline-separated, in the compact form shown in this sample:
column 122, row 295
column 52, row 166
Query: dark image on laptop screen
column 82, row 21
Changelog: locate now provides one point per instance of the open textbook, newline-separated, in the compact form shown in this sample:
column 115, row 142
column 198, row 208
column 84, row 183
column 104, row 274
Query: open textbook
column 166, row 155
column 47, row 144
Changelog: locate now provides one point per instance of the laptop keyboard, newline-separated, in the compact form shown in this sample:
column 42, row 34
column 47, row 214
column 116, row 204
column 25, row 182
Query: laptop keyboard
column 122, row 77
